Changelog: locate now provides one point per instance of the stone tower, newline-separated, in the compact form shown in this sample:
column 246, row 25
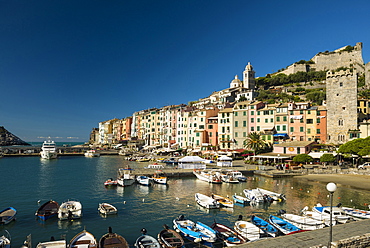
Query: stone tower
column 248, row 77
column 341, row 100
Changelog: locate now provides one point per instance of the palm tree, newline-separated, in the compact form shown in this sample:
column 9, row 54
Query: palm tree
column 254, row 142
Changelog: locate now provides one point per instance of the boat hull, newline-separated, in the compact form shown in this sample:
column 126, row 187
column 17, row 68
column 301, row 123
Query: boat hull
column 47, row 210
column 70, row 210
column 7, row 215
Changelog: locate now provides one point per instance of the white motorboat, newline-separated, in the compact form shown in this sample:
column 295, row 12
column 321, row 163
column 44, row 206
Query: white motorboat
column 248, row 230
column 224, row 161
column 53, row 244
column 91, row 153
column 273, row 195
column 125, row 178
column 237, row 174
column 83, row 239
column 106, row 208
column 143, row 180
column 206, row 201
column 5, row 240
column 70, row 210
column 356, row 213
column 254, row 195
column 337, row 213
column 317, row 216
column 49, row 150
column 303, row 222
column 227, row 178
column 207, row 176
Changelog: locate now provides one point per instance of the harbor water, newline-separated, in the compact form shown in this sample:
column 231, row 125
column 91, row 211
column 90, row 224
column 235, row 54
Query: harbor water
column 27, row 182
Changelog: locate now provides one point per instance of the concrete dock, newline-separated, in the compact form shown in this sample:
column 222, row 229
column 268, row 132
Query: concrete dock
column 344, row 235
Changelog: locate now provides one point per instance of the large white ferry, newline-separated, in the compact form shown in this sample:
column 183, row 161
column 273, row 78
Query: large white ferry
column 48, row 150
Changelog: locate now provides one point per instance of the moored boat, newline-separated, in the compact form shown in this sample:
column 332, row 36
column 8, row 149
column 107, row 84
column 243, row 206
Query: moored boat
column 197, row 232
column 110, row 182
column 159, row 177
column 169, row 238
column 49, row 150
column 146, row 241
column 206, row 201
column 91, row 154
column 106, row 208
column 265, row 226
column 207, row 176
column 7, row 215
column 125, row 178
column 273, row 195
column 336, row 213
column 143, row 180
column 237, row 174
column 52, row 244
column 248, row 230
column 283, row 225
column 47, row 210
column 70, row 210
column 83, row 239
column 5, row 240
column 241, row 199
column 254, row 195
column 303, row 222
column 224, row 201
column 356, row 213
column 229, row 235
column 112, row 240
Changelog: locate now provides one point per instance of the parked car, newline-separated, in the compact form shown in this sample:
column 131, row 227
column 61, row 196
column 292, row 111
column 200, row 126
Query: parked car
column 364, row 166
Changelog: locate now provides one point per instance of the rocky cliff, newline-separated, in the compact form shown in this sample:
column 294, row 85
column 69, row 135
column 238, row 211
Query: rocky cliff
column 9, row 139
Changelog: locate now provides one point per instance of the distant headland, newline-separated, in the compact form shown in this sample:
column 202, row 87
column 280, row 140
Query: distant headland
column 9, row 139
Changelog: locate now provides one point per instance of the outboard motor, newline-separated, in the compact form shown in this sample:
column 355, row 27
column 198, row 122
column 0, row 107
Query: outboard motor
column 110, row 230
column 339, row 205
column 240, row 217
column 280, row 212
column 181, row 217
column 143, row 231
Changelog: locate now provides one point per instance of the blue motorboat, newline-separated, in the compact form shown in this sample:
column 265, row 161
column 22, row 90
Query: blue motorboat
column 265, row 226
column 195, row 231
column 283, row 225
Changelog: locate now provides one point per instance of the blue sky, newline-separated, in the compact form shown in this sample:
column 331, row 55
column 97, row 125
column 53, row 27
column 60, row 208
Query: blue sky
column 67, row 65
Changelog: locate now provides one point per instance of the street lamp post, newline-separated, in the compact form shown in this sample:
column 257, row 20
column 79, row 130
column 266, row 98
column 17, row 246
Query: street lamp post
column 331, row 187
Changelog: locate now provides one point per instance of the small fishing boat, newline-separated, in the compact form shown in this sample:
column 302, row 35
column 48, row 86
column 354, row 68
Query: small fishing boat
column 273, row 195
column 283, row 225
column 70, row 210
column 125, row 178
column 227, row 178
column 5, row 240
column 197, row 232
column 224, row 201
column 106, row 209
column 146, row 241
column 254, row 195
column 237, row 174
column 83, row 239
column 159, row 177
column 53, row 244
column 169, row 238
column 241, row 199
column 206, row 201
column 112, row 240
column 248, row 230
column 356, row 213
column 143, row 180
column 336, row 213
column 207, row 176
column 229, row 235
column 91, row 154
column 265, row 226
column 7, row 215
column 302, row 222
column 110, row 182
column 47, row 210
column 317, row 216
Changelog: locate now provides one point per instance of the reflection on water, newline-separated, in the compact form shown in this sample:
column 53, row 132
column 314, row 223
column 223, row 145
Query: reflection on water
column 138, row 206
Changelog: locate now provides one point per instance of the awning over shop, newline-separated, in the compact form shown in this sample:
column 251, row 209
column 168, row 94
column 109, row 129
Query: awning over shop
column 284, row 135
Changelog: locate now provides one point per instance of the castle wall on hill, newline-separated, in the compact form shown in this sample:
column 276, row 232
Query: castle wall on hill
column 296, row 68
column 339, row 58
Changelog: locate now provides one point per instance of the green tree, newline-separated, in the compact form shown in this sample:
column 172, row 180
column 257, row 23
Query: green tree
column 316, row 97
column 327, row 158
column 358, row 146
column 302, row 158
column 254, row 142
